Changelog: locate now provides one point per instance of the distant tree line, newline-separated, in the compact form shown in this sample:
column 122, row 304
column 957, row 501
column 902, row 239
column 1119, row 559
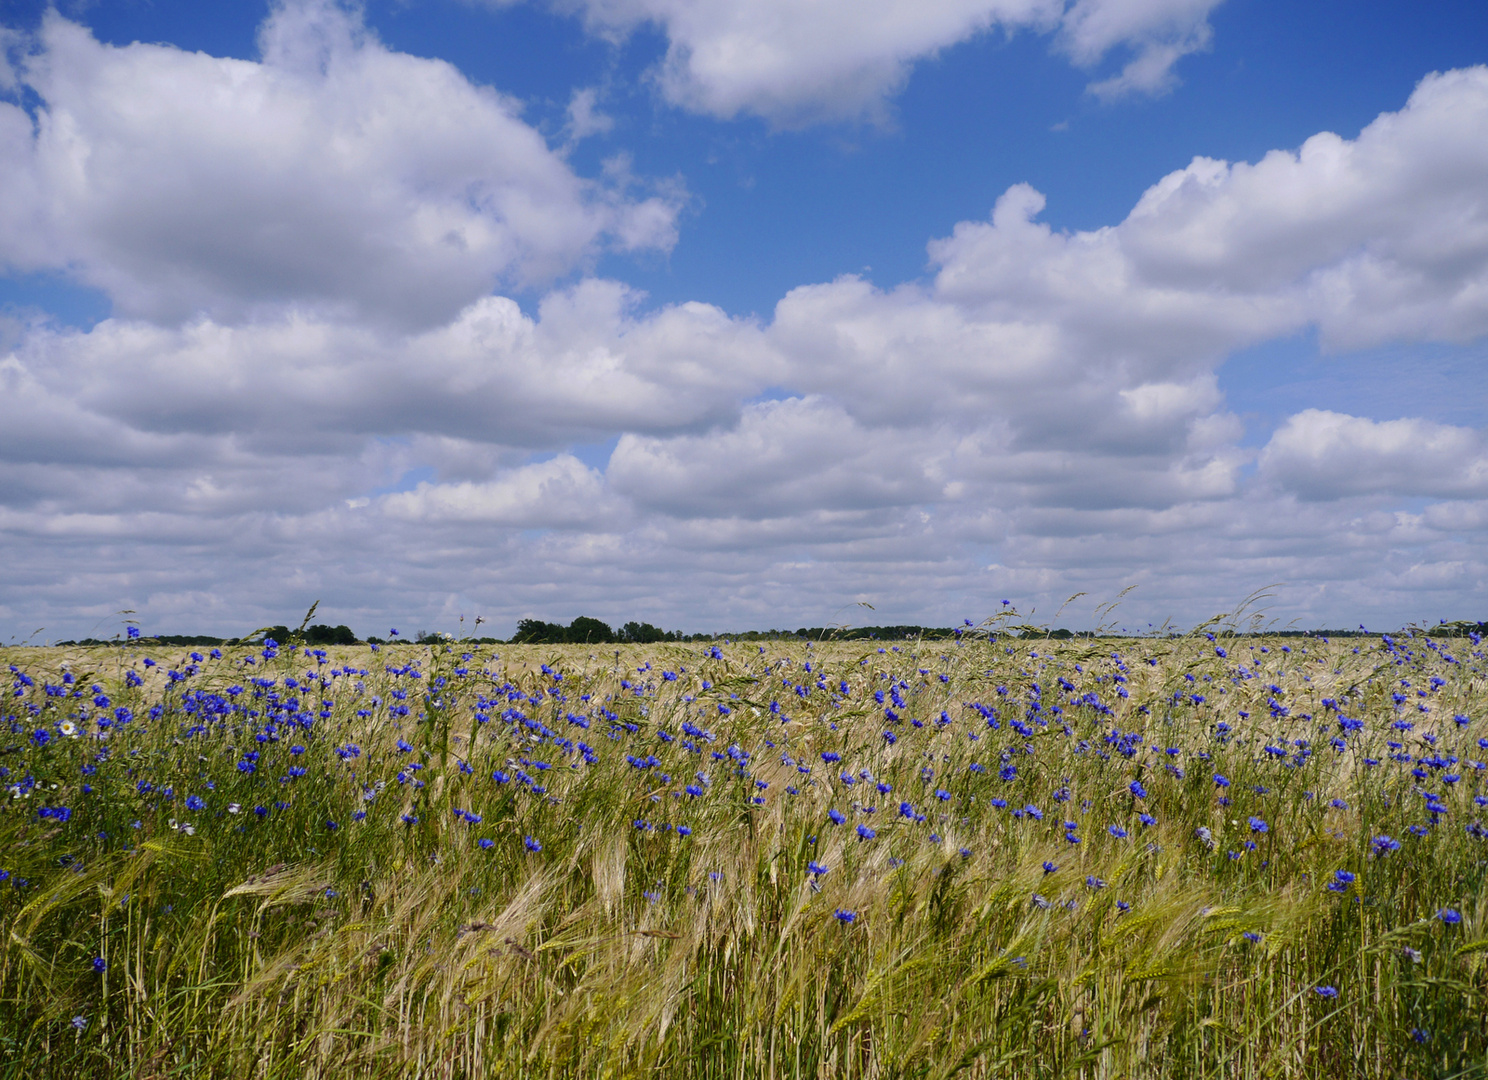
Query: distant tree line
column 310, row 635
column 185, row 640
column 319, row 634
column 590, row 631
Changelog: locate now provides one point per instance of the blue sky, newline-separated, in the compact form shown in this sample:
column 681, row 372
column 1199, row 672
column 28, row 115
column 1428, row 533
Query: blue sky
column 697, row 310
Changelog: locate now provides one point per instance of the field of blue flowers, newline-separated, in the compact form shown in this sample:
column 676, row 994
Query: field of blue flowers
column 1208, row 855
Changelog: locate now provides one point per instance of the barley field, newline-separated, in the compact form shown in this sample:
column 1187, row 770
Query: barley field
column 1214, row 855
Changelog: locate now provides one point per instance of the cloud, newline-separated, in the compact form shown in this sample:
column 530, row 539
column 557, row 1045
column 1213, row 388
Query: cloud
column 585, row 367
column 1376, row 239
column 585, row 118
column 1323, row 455
column 333, row 176
column 780, row 460
column 562, row 493
column 1381, row 237
column 1158, row 33
column 798, row 63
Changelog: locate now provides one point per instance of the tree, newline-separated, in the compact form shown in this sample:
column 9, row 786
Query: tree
column 321, row 634
column 642, row 633
column 587, row 631
column 537, row 632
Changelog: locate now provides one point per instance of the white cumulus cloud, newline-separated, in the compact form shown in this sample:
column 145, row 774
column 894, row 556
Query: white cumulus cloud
column 334, row 175
column 561, row 493
column 1323, row 455
column 795, row 62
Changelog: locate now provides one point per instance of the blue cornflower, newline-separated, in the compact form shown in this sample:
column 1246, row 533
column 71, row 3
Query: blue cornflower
column 1450, row 916
column 1325, row 991
column 1420, row 1035
column 194, row 802
column 1136, row 788
column 1094, row 883
column 81, row 1022
column 1147, row 819
column 816, row 869
column 844, row 916
column 1383, row 845
column 1117, row 831
column 1220, row 781
column 99, row 965
column 531, row 843
column 1251, row 936
column 1258, row 826
column 1049, row 867
column 836, row 816
column 486, row 842
column 865, row 833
